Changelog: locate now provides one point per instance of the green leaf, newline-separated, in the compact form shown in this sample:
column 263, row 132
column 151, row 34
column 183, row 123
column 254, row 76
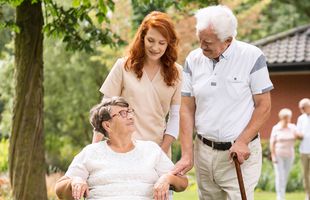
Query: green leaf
column 76, row 3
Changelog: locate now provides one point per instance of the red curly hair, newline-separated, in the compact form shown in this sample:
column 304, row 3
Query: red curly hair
column 162, row 23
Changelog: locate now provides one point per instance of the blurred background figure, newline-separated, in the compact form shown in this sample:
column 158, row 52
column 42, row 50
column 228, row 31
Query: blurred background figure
column 303, row 126
column 282, row 140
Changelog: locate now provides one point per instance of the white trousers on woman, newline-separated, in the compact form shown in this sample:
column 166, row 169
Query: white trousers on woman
column 282, row 169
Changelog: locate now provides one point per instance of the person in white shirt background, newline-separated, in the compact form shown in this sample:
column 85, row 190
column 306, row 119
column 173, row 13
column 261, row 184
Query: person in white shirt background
column 226, row 98
column 282, row 141
column 303, row 127
column 119, row 168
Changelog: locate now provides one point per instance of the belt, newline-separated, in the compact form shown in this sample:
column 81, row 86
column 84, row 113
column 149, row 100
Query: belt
column 222, row 146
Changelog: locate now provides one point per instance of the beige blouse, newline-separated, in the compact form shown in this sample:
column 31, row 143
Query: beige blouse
column 151, row 100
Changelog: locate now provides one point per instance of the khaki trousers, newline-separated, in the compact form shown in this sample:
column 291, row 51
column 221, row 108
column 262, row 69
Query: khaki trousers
column 305, row 161
column 216, row 173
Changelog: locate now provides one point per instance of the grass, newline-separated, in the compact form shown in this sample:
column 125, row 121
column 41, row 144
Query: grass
column 191, row 194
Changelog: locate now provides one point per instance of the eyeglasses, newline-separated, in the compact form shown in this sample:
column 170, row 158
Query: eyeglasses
column 124, row 113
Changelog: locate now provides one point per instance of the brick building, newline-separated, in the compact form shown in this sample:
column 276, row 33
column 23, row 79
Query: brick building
column 288, row 59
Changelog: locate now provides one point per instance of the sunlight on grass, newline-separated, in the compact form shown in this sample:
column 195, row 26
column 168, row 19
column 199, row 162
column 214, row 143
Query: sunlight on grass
column 272, row 196
column 191, row 194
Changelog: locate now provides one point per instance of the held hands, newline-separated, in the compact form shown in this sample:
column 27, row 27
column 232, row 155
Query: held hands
column 161, row 188
column 183, row 165
column 79, row 188
column 241, row 149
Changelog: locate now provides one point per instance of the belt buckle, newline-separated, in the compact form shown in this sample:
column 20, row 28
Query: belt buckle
column 212, row 145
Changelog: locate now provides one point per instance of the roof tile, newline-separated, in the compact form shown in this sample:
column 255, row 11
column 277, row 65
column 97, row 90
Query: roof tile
column 292, row 46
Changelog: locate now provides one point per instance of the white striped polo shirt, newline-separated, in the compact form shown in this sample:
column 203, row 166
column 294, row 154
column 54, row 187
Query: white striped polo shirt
column 224, row 90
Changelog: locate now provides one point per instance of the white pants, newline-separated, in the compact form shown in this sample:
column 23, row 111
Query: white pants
column 216, row 173
column 282, row 169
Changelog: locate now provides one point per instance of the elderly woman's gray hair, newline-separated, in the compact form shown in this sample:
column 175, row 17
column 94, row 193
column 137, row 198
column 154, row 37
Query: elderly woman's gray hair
column 285, row 112
column 101, row 112
column 220, row 18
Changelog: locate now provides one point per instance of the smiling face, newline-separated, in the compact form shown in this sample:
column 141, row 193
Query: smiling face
column 211, row 45
column 155, row 44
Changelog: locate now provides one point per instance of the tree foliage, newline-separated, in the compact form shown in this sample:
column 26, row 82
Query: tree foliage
column 142, row 7
column 71, row 87
column 279, row 16
column 6, row 25
column 261, row 18
column 6, row 94
column 78, row 25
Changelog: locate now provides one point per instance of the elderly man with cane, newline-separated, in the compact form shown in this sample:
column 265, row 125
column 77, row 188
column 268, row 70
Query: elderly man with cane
column 226, row 98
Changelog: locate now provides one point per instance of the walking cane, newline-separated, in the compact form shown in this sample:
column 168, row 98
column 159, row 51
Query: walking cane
column 239, row 176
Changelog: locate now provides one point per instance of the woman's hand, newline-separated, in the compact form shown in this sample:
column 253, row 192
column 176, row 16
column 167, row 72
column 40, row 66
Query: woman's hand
column 161, row 188
column 79, row 188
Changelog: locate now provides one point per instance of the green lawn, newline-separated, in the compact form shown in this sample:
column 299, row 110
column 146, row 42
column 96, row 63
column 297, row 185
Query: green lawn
column 191, row 194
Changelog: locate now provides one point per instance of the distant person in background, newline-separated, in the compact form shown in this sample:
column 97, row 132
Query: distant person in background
column 303, row 127
column 282, row 141
column 150, row 80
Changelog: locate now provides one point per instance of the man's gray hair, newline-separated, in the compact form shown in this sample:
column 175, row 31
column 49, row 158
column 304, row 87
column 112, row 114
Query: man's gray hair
column 303, row 103
column 220, row 18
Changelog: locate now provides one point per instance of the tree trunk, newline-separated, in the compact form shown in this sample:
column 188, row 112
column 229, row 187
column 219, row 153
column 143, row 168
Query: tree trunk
column 26, row 156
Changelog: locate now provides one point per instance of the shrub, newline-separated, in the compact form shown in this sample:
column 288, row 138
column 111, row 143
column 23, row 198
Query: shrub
column 4, row 154
column 59, row 153
column 267, row 178
column 176, row 151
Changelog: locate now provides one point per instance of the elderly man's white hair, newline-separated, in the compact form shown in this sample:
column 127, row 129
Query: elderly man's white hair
column 220, row 18
column 303, row 103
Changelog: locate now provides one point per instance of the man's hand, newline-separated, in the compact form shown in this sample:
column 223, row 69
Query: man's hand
column 161, row 188
column 299, row 135
column 79, row 188
column 241, row 149
column 183, row 166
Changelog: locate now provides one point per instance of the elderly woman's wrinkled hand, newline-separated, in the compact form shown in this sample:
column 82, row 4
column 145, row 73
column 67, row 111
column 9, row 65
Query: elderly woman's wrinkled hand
column 161, row 188
column 79, row 188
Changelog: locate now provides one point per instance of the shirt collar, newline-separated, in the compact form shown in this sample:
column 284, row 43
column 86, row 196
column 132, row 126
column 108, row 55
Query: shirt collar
column 227, row 53
column 214, row 61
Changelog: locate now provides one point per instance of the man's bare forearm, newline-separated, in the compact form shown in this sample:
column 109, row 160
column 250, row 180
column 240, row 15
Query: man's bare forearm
column 260, row 115
column 187, row 121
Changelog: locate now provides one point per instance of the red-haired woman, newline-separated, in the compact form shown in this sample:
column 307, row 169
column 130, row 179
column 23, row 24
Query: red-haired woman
column 150, row 80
